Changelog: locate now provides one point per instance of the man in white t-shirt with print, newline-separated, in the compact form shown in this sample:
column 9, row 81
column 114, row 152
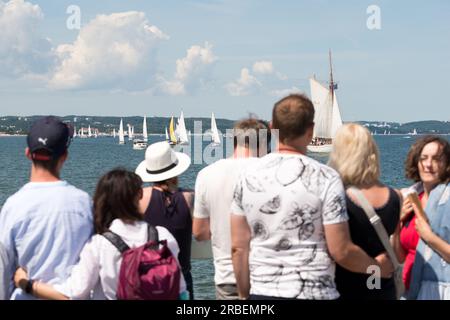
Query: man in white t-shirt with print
column 213, row 196
column 289, row 219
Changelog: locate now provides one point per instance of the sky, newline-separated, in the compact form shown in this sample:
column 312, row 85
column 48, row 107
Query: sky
column 230, row 57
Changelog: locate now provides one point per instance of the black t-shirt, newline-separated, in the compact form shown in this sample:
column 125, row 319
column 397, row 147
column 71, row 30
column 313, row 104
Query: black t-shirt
column 353, row 285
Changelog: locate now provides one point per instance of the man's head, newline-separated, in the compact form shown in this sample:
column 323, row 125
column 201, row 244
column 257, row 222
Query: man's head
column 48, row 140
column 293, row 117
column 252, row 135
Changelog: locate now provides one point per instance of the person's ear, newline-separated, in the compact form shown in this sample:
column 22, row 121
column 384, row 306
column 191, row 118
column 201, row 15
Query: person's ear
column 28, row 153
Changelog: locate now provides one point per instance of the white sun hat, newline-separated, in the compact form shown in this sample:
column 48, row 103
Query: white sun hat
column 162, row 163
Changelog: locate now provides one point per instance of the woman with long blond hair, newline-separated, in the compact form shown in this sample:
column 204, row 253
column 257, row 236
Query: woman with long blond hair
column 355, row 157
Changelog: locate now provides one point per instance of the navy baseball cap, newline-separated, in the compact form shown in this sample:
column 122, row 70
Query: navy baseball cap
column 51, row 135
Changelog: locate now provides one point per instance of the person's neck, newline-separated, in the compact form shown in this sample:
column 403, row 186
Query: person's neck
column 241, row 152
column 165, row 187
column 41, row 175
column 427, row 188
column 291, row 148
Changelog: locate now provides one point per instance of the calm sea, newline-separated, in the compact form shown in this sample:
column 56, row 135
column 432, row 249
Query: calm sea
column 90, row 158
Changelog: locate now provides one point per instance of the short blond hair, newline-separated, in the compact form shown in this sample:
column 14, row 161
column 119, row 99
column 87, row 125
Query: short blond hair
column 355, row 156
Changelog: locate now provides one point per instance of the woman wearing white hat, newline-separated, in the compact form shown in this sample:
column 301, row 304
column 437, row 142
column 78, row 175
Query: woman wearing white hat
column 165, row 204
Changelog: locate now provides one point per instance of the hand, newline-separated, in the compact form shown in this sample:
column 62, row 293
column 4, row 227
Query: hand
column 385, row 264
column 407, row 209
column 423, row 229
column 20, row 277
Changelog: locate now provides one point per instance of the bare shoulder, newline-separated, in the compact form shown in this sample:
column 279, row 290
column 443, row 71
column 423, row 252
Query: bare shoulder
column 189, row 196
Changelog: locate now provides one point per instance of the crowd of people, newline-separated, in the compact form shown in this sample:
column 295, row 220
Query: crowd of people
column 281, row 224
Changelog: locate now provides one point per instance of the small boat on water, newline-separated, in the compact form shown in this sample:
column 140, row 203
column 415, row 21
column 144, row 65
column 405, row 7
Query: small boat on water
column 141, row 144
column 121, row 133
column 327, row 116
column 214, row 131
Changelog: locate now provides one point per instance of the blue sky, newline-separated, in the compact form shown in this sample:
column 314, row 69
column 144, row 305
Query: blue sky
column 234, row 57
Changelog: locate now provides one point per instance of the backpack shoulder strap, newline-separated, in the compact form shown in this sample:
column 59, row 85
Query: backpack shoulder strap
column 152, row 233
column 116, row 241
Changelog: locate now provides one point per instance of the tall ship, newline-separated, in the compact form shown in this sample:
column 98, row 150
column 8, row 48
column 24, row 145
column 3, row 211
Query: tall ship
column 327, row 117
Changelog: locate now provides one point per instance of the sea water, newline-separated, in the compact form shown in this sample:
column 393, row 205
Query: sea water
column 90, row 158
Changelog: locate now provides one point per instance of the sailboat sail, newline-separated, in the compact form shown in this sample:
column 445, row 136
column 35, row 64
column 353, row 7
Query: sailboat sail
column 214, row 130
column 173, row 138
column 181, row 128
column 144, row 129
column 121, row 133
column 89, row 132
column 336, row 121
column 321, row 98
column 114, row 133
column 167, row 134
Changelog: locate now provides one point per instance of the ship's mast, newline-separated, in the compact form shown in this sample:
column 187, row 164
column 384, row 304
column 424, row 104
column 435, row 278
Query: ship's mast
column 331, row 79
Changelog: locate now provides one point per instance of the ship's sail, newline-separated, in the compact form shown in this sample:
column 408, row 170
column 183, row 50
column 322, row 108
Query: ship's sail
column 121, row 133
column 89, row 131
column 321, row 99
column 336, row 120
column 181, row 130
column 172, row 136
column 167, row 134
column 214, row 131
column 144, row 129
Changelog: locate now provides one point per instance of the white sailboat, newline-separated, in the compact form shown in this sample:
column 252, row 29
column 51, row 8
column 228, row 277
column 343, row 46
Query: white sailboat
column 167, row 135
column 89, row 131
column 114, row 133
column 181, row 130
column 141, row 144
column 327, row 116
column 130, row 134
column 214, row 131
column 74, row 132
column 121, row 133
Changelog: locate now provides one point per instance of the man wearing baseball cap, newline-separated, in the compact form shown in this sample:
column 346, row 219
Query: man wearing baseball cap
column 44, row 225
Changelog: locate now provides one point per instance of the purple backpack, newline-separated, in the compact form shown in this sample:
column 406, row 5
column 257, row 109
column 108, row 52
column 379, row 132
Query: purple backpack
column 146, row 272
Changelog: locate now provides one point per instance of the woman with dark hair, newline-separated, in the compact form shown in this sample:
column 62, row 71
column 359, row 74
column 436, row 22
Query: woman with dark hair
column 116, row 208
column 427, row 164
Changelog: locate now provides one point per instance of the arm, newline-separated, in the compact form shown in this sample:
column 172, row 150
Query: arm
column 395, row 238
column 82, row 280
column 349, row 255
column 201, row 226
column 190, row 198
column 240, row 247
column 39, row 289
column 433, row 240
column 201, row 229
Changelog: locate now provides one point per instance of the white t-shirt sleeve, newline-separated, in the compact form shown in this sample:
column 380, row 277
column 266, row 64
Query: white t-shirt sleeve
column 334, row 209
column 237, row 207
column 85, row 274
column 201, row 209
column 164, row 234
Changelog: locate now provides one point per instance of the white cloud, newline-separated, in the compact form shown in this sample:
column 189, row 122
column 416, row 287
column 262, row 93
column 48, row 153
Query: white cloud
column 191, row 71
column 116, row 51
column 263, row 67
column 245, row 85
column 23, row 50
column 285, row 92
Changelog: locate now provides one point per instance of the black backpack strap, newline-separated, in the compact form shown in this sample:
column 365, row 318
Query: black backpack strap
column 116, row 241
column 152, row 233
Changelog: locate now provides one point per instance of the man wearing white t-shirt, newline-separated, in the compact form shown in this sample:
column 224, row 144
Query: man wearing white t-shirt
column 289, row 219
column 213, row 196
